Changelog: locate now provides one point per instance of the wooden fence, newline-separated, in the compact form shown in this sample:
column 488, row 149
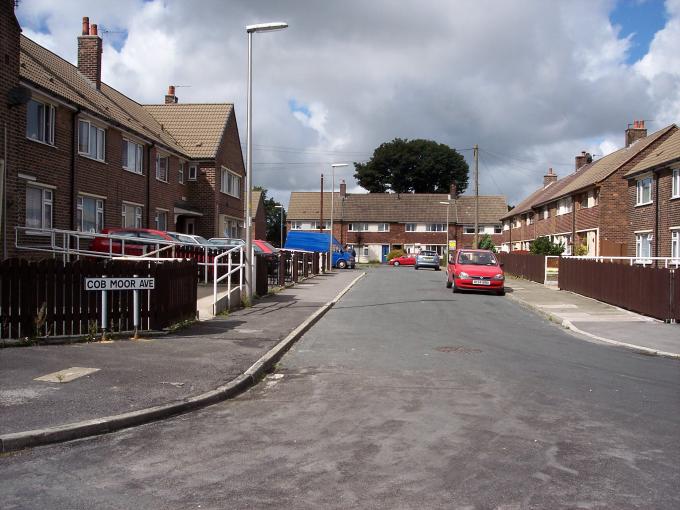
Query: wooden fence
column 646, row 290
column 524, row 265
column 47, row 297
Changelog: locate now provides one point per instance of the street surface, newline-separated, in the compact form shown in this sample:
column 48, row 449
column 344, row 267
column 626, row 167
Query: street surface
column 403, row 396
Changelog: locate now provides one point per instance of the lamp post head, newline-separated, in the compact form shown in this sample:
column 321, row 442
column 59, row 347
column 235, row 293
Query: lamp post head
column 266, row 27
column 278, row 206
column 338, row 165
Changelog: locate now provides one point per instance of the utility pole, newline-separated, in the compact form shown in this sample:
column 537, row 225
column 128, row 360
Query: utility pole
column 321, row 207
column 476, row 153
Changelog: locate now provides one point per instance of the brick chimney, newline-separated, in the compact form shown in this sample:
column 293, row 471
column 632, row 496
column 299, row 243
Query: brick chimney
column 549, row 178
column 583, row 159
column 343, row 189
column 170, row 97
column 635, row 132
column 90, row 53
column 453, row 190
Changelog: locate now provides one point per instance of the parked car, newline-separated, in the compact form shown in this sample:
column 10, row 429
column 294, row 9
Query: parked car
column 137, row 241
column 427, row 258
column 189, row 239
column 404, row 260
column 226, row 242
column 475, row 270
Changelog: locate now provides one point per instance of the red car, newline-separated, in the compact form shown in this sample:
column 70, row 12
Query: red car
column 404, row 260
column 475, row 270
column 137, row 241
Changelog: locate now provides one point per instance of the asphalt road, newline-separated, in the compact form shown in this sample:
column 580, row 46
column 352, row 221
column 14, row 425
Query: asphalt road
column 403, row 396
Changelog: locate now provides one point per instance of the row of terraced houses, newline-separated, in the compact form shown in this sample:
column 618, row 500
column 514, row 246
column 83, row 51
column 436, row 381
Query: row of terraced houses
column 624, row 204
column 77, row 154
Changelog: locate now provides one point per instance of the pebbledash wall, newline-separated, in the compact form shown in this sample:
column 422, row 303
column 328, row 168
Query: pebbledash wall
column 65, row 176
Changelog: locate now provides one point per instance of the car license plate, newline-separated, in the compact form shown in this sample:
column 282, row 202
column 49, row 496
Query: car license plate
column 481, row 282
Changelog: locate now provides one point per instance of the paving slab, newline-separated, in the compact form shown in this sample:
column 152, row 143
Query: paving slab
column 598, row 320
column 134, row 375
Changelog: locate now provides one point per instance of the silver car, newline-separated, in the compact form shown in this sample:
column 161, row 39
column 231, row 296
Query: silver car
column 427, row 258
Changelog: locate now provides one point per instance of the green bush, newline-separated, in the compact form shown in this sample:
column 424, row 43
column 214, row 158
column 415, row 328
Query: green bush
column 394, row 254
column 485, row 243
column 581, row 250
column 544, row 246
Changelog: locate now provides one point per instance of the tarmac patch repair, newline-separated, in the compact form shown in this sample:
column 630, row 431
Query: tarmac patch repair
column 67, row 375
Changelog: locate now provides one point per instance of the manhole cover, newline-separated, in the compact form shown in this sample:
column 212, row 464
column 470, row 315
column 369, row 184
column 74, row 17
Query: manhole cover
column 460, row 349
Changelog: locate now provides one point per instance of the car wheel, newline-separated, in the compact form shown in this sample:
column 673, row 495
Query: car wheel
column 448, row 283
column 396, row 263
column 501, row 292
column 455, row 289
column 415, row 267
column 342, row 264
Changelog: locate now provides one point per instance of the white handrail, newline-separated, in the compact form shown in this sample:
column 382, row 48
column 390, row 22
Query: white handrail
column 229, row 272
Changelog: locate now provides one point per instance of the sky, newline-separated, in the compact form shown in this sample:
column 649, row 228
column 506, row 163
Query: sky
column 532, row 82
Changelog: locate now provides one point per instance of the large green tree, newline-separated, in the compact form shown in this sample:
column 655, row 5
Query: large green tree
column 272, row 216
column 413, row 166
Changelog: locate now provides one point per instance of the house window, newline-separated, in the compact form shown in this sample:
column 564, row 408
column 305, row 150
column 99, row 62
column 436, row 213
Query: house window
column 435, row 227
column 469, row 229
column 316, row 224
column 410, row 227
column 230, row 183
column 564, row 206
column 675, row 244
column 546, row 213
column 506, row 225
column 132, row 156
column 91, row 140
column 193, row 170
column 358, row 227
column 161, row 220
column 644, row 191
column 90, row 216
column 676, row 183
column 40, row 121
column 38, row 207
column 497, row 229
column 162, row 165
column 296, row 225
column 530, row 219
column 132, row 215
column 231, row 227
column 383, row 227
column 181, row 173
column 643, row 245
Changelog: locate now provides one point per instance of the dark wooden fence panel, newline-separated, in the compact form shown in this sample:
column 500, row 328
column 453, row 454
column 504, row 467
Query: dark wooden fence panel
column 525, row 265
column 47, row 298
column 646, row 290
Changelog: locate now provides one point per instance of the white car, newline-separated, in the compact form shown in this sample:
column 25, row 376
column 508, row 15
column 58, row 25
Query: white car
column 190, row 239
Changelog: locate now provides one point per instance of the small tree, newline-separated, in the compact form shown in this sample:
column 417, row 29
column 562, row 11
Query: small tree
column 544, row 246
column 485, row 243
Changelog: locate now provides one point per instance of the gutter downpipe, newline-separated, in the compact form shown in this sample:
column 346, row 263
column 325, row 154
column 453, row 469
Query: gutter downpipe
column 74, row 149
column 3, row 213
column 656, row 216
column 148, row 185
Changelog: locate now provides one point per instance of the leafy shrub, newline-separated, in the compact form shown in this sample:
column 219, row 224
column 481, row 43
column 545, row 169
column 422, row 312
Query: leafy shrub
column 485, row 243
column 581, row 250
column 544, row 246
column 395, row 253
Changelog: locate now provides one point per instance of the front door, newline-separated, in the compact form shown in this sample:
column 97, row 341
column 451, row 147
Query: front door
column 190, row 226
column 385, row 251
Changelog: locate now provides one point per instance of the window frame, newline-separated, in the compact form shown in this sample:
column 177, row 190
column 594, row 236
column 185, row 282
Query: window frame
column 638, row 245
column 98, row 214
column 138, row 212
column 45, row 123
column 410, row 227
column 139, row 156
column 45, row 204
column 195, row 173
column 229, row 181
column 639, row 190
column 675, row 180
column 97, row 145
column 160, row 157
column 351, row 228
column 180, row 172
column 432, row 227
column 161, row 213
column 385, row 227
column 675, row 243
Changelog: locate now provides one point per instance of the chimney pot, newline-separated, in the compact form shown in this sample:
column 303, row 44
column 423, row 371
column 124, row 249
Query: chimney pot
column 86, row 25
column 343, row 189
column 90, row 53
column 635, row 132
column 170, row 97
column 93, row 29
column 549, row 178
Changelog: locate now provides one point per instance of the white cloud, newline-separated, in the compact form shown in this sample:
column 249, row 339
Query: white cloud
column 533, row 82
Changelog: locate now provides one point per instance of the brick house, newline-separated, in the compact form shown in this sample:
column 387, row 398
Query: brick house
column 375, row 223
column 654, row 202
column 88, row 157
column 587, row 209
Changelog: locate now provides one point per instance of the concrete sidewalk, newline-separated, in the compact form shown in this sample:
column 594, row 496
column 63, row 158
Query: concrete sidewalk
column 597, row 320
column 95, row 380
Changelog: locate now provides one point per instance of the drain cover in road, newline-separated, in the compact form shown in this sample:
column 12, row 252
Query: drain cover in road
column 67, row 375
column 461, row 349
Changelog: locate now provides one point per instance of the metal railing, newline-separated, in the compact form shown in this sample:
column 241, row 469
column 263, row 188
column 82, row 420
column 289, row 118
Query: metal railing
column 230, row 271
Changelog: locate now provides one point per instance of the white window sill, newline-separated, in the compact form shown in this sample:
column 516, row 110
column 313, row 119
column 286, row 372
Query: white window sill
column 675, row 197
column 87, row 156
column 35, row 140
column 133, row 171
column 644, row 203
column 161, row 180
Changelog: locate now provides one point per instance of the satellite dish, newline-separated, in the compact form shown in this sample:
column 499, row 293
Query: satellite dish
column 18, row 95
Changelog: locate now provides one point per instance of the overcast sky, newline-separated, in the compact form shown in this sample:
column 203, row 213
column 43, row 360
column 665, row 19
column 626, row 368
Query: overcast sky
column 533, row 82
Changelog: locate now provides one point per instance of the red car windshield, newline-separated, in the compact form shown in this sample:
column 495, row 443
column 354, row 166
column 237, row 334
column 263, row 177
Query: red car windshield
column 477, row 258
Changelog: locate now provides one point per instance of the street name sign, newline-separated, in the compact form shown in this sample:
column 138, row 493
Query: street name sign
column 119, row 283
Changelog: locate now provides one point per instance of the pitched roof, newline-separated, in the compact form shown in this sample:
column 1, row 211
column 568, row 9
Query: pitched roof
column 198, row 128
column 255, row 202
column 59, row 77
column 396, row 208
column 667, row 152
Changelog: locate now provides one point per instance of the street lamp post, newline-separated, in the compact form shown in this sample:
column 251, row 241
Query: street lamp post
column 330, row 240
column 280, row 224
column 447, row 203
column 249, row 262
